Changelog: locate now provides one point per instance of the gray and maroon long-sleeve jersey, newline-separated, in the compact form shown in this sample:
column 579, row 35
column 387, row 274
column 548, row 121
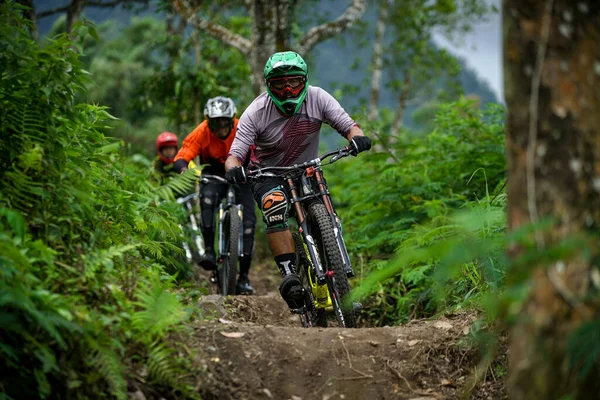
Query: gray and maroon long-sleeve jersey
column 282, row 141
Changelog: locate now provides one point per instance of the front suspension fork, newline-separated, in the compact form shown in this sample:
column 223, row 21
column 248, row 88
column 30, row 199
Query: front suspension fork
column 313, row 253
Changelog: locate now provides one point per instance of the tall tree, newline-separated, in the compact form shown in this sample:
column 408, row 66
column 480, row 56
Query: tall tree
column 552, row 76
column 272, row 22
column 377, row 62
column 414, row 67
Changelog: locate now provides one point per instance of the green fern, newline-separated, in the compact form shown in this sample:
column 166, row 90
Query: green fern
column 584, row 348
column 161, row 365
column 159, row 309
column 108, row 364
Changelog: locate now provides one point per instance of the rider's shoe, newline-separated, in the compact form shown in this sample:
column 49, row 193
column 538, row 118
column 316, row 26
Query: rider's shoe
column 209, row 260
column 293, row 293
column 244, row 286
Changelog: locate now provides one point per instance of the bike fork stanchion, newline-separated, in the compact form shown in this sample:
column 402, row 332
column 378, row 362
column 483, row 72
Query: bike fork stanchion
column 337, row 230
column 240, row 211
column 221, row 235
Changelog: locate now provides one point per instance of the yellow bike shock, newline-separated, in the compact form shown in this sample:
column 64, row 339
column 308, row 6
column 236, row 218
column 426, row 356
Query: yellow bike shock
column 320, row 292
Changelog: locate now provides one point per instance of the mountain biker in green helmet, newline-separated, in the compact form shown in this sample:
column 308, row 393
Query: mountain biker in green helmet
column 282, row 127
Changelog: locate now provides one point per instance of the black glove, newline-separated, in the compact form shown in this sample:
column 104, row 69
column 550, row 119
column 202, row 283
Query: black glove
column 236, row 175
column 180, row 165
column 359, row 144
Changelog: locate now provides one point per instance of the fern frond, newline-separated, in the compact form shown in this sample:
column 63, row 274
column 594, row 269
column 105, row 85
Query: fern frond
column 108, row 364
column 159, row 309
column 161, row 365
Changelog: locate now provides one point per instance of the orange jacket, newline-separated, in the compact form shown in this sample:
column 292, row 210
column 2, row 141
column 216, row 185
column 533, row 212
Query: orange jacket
column 202, row 142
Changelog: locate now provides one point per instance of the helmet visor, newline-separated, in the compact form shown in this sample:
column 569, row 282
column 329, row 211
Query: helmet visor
column 287, row 87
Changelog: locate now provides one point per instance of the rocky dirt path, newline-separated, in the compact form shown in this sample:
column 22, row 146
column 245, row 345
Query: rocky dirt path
column 253, row 348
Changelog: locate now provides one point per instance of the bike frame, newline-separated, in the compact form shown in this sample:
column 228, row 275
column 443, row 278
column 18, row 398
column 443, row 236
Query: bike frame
column 228, row 203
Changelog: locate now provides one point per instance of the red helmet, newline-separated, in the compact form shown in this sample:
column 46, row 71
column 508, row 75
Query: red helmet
column 166, row 139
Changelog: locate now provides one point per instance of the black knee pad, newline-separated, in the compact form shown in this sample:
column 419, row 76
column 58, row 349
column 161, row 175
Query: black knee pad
column 248, row 239
column 207, row 206
column 275, row 209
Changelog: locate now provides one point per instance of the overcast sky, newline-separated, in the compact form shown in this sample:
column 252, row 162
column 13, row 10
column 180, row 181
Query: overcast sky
column 482, row 49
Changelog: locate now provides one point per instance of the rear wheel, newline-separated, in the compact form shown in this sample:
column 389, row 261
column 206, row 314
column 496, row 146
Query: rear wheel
column 228, row 269
column 321, row 228
column 314, row 316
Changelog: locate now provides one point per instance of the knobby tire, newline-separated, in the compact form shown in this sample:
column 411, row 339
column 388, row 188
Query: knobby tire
column 329, row 252
column 228, row 273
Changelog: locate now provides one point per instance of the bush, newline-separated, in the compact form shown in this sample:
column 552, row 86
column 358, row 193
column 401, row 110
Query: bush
column 400, row 202
column 86, row 301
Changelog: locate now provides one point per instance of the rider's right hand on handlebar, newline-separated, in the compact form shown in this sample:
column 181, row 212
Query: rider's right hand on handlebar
column 359, row 144
column 237, row 175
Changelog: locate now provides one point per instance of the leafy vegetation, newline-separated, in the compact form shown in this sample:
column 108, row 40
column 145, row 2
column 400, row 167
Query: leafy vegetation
column 394, row 221
column 86, row 296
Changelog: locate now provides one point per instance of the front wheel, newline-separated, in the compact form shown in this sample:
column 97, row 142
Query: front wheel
column 228, row 268
column 321, row 228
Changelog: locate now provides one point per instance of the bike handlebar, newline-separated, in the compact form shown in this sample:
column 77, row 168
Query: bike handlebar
column 187, row 198
column 335, row 156
column 208, row 177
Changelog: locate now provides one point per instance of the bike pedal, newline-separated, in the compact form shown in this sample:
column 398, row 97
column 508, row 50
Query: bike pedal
column 300, row 311
column 350, row 272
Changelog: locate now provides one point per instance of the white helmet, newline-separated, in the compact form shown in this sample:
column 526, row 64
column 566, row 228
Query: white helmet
column 219, row 107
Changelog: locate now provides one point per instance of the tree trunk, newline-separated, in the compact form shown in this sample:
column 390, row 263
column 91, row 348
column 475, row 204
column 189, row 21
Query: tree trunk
column 399, row 115
column 73, row 13
column 552, row 80
column 269, row 34
column 377, row 61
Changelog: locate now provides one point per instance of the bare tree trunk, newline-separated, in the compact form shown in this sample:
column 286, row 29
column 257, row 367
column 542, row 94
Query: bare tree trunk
column 73, row 13
column 268, row 34
column 378, row 60
column 552, row 76
column 399, row 115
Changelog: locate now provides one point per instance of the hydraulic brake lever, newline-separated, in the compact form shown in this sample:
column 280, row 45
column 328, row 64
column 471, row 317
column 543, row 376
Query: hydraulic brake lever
column 341, row 154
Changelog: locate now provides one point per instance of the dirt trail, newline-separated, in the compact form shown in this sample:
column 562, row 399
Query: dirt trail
column 253, row 348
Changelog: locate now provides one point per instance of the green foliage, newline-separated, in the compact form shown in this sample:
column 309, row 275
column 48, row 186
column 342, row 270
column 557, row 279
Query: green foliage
column 155, row 77
column 404, row 222
column 83, row 246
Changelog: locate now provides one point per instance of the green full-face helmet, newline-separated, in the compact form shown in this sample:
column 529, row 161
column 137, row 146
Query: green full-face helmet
column 286, row 77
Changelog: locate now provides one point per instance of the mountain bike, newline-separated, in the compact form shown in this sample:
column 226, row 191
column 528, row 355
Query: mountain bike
column 230, row 239
column 323, row 261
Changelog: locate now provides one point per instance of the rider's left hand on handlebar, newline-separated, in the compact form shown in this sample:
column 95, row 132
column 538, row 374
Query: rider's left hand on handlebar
column 359, row 144
column 236, row 175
